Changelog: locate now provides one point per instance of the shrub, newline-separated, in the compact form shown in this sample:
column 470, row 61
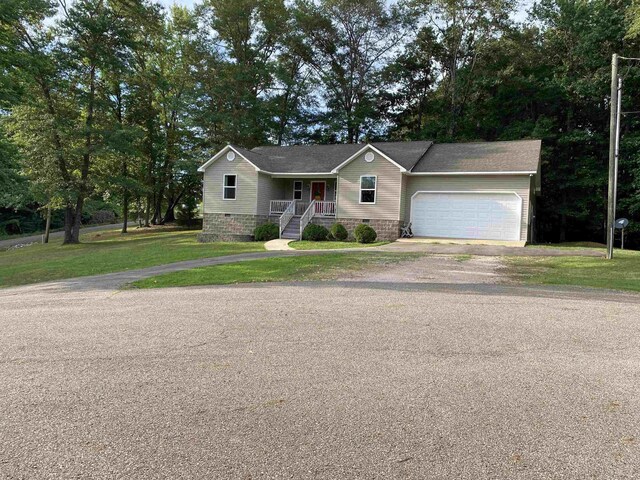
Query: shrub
column 186, row 214
column 365, row 234
column 266, row 232
column 338, row 232
column 315, row 233
column 103, row 216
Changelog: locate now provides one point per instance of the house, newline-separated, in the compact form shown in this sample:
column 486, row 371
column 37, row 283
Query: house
column 460, row 190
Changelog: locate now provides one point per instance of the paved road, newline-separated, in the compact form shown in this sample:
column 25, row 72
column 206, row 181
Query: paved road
column 353, row 379
column 4, row 244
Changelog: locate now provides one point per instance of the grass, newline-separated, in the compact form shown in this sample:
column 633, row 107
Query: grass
column 568, row 245
column 109, row 251
column 622, row 273
column 302, row 268
column 329, row 245
column 462, row 258
column 5, row 236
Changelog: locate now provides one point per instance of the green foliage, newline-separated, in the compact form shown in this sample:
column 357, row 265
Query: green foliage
column 345, row 42
column 338, row 232
column 121, row 101
column 364, row 233
column 265, row 232
column 109, row 251
column 315, row 233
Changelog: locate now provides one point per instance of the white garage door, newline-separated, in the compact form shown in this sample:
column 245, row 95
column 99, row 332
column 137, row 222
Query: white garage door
column 474, row 215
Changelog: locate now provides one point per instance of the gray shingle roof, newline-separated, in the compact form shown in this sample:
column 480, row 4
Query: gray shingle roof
column 513, row 156
column 418, row 157
column 324, row 158
column 305, row 158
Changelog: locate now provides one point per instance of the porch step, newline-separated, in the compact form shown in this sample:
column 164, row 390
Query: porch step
column 292, row 230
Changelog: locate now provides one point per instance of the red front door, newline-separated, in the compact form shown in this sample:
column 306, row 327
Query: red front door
column 317, row 191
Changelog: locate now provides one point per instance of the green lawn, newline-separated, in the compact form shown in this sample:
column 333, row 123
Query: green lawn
column 308, row 245
column 308, row 267
column 568, row 245
column 623, row 272
column 109, row 251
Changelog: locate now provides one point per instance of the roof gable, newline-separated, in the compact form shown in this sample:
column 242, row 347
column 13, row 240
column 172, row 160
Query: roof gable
column 243, row 153
column 368, row 147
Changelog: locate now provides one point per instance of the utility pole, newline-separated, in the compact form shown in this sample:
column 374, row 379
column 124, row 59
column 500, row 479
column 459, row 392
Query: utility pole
column 613, row 129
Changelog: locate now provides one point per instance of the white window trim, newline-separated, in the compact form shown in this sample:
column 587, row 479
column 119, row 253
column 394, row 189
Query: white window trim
column 224, row 185
column 301, row 189
column 375, row 191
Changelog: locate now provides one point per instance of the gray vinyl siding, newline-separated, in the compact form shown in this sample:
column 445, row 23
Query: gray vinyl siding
column 532, row 210
column 246, row 191
column 330, row 192
column 269, row 189
column 388, row 189
column 403, row 199
column 520, row 184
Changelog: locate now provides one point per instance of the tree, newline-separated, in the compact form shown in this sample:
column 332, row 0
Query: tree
column 347, row 44
column 462, row 29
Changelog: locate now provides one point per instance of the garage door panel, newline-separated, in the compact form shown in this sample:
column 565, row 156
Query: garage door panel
column 486, row 215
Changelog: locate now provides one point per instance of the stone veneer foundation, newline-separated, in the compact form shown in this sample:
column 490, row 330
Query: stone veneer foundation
column 386, row 229
column 230, row 227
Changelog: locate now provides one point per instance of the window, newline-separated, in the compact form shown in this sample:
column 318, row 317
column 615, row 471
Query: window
column 297, row 190
column 368, row 188
column 229, row 190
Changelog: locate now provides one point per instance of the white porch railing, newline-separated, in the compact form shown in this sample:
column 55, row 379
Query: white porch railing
column 301, row 207
column 287, row 215
column 307, row 216
column 278, row 206
column 325, row 209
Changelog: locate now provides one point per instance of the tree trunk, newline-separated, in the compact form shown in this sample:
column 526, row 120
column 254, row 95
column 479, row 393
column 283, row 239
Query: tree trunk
column 157, row 211
column 73, row 217
column 47, row 228
column 72, row 221
column 125, row 212
column 170, row 215
column 139, row 212
column 68, row 224
column 147, row 212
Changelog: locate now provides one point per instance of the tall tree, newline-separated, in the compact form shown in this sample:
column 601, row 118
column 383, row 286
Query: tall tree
column 249, row 34
column 463, row 29
column 348, row 43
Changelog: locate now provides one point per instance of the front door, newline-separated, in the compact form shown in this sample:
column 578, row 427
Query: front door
column 317, row 191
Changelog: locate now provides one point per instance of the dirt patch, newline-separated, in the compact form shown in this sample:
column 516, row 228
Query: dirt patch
column 436, row 269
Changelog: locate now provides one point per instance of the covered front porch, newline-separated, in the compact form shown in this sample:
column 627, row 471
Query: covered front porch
column 299, row 207
column 302, row 199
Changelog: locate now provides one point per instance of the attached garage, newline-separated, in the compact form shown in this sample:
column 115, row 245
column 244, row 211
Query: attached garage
column 481, row 191
column 467, row 215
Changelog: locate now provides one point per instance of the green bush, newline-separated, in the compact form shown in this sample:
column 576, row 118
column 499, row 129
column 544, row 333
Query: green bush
column 266, row 232
column 315, row 233
column 365, row 234
column 338, row 232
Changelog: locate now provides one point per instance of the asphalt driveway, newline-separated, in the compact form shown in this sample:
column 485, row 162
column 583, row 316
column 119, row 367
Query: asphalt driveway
column 352, row 379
